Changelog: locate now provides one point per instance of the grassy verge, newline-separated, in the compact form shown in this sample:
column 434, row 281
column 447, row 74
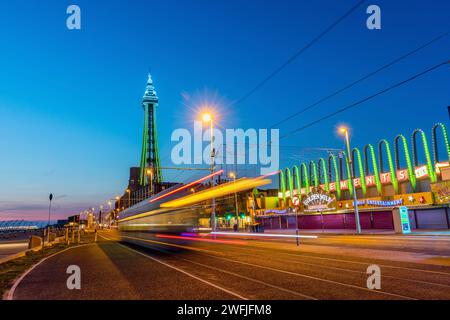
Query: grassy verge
column 11, row 270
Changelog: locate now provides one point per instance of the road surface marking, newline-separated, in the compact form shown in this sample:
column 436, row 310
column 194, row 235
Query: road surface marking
column 365, row 273
column 351, row 261
column 186, row 273
column 316, row 278
column 250, row 279
column 10, row 293
column 365, row 263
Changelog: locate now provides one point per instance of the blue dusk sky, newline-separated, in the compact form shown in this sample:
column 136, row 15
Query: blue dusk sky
column 70, row 100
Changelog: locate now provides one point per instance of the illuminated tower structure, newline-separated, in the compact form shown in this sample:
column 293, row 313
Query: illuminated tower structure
column 150, row 168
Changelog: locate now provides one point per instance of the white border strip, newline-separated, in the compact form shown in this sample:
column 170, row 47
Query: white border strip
column 263, row 235
column 10, row 294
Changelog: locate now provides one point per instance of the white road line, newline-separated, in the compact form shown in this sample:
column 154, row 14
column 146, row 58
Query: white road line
column 250, row 279
column 186, row 273
column 316, row 278
column 10, row 293
column 355, row 262
column 365, row 263
column 351, row 270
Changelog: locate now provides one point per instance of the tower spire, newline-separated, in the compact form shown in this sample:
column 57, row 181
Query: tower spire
column 150, row 153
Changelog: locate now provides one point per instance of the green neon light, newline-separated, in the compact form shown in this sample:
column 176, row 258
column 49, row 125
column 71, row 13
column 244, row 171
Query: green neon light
column 142, row 180
column 434, row 141
column 376, row 173
column 349, row 176
column 391, row 164
column 159, row 177
column 302, row 178
column 297, row 179
column 336, row 175
column 361, row 171
column 325, row 174
column 314, row 172
column 306, row 176
column 290, row 182
column 411, row 173
column 282, row 184
column 429, row 164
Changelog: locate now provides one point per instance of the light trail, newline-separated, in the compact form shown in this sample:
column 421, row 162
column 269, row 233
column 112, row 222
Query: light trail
column 264, row 235
column 218, row 191
column 187, row 185
column 191, row 238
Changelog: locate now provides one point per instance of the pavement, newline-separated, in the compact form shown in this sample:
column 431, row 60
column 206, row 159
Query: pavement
column 242, row 267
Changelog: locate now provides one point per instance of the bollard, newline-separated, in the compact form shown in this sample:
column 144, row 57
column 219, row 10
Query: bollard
column 95, row 236
column 73, row 235
column 79, row 236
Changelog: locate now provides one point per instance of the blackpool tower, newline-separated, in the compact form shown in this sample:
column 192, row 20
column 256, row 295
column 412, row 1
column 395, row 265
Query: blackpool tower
column 150, row 168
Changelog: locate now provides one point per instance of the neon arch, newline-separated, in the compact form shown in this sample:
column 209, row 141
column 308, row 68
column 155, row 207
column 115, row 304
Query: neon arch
column 411, row 174
column 322, row 168
column 392, row 172
column 337, row 178
column 304, row 175
column 434, row 141
column 376, row 173
column 429, row 164
column 296, row 174
column 282, row 184
column 361, row 169
column 290, row 183
column 313, row 173
column 349, row 176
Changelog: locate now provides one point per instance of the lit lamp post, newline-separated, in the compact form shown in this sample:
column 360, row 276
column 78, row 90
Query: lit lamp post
column 208, row 118
column 344, row 130
column 233, row 175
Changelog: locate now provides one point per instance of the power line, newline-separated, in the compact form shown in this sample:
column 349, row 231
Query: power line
column 366, row 99
column 299, row 52
column 362, row 79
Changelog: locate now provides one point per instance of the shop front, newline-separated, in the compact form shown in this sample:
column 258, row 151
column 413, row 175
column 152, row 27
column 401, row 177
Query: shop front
column 322, row 211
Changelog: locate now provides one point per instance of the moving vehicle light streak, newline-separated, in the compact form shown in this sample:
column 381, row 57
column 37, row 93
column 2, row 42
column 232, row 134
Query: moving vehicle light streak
column 263, row 235
column 187, row 186
column 219, row 191
column 191, row 238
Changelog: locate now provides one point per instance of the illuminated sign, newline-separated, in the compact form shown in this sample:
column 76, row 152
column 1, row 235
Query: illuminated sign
column 441, row 191
column 404, row 219
column 385, row 203
column 318, row 201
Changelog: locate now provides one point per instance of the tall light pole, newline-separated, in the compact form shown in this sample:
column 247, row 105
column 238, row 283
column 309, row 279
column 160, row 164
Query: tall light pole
column 50, row 198
column 344, row 130
column 233, row 175
column 208, row 118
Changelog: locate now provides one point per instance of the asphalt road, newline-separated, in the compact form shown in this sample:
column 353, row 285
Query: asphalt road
column 245, row 268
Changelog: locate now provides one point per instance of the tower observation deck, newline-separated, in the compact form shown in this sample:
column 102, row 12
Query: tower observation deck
column 150, row 167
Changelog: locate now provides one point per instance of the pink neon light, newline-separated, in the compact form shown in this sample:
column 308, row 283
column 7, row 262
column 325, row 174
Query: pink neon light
column 187, row 186
column 201, row 239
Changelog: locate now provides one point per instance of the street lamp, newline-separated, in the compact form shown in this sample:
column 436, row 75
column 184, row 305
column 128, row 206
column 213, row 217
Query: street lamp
column 233, row 175
column 344, row 130
column 208, row 118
